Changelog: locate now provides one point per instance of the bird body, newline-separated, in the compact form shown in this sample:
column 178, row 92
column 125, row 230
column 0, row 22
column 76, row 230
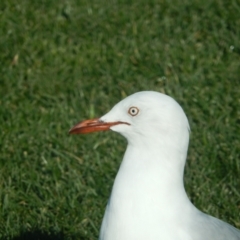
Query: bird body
column 148, row 199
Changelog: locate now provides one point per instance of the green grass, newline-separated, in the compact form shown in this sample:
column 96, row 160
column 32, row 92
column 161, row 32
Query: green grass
column 65, row 61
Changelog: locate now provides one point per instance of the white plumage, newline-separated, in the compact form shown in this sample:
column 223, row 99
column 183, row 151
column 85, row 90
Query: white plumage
column 148, row 199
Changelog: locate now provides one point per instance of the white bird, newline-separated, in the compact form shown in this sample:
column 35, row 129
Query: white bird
column 148, row 199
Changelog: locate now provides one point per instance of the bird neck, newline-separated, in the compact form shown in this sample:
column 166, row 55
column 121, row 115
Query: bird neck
column 148, row 190
column 154, row 171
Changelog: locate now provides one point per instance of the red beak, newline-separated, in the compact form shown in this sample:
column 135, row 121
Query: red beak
column 93, row 125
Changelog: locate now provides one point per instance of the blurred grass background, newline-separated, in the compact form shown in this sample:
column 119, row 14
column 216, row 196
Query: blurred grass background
column 68, row 60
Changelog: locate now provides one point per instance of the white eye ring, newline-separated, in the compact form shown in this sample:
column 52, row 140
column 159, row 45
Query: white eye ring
column 133, row 111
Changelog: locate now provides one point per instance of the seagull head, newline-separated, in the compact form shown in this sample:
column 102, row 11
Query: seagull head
column 143, row 116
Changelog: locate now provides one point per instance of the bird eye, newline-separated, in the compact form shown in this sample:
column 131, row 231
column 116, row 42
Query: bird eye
column 133, row 111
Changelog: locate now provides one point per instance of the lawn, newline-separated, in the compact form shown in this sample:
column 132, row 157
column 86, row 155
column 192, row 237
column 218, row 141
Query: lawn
column 68, row 60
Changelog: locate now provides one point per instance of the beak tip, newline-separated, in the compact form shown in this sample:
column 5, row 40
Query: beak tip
column 71, row 131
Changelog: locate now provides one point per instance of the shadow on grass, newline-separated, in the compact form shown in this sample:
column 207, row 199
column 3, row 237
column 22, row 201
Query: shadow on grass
column 38, row 235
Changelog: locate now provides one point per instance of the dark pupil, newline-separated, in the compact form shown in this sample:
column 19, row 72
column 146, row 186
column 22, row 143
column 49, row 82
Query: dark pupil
column 133, row 110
